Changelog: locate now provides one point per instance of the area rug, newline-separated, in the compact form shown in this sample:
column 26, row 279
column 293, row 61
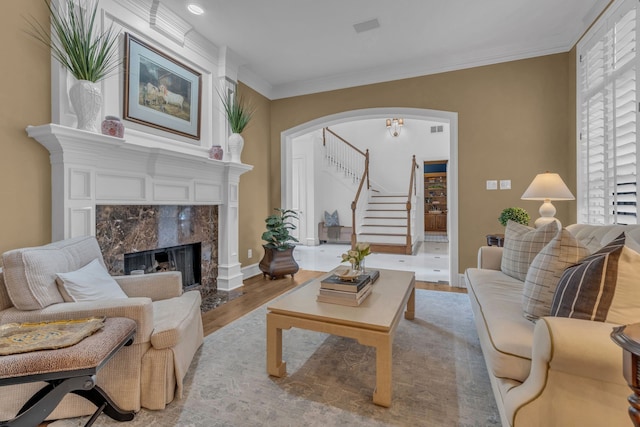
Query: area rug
column 439, row 377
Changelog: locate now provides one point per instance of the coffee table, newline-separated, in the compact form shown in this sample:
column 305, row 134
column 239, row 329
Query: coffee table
column 373, row 323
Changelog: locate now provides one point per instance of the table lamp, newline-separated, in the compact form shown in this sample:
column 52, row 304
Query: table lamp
column 547, row 186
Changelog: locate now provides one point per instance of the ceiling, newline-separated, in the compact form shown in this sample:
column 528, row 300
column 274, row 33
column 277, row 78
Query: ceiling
column 294, row 47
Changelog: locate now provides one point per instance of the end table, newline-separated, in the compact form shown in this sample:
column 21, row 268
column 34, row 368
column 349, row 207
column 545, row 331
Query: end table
column 495, row 240
column 628, row 337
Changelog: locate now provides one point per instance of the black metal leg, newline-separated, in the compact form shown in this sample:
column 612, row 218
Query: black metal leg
column 97, row 396
column 45, row 401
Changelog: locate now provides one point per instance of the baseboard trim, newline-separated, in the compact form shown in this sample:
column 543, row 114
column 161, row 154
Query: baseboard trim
column 250, row 271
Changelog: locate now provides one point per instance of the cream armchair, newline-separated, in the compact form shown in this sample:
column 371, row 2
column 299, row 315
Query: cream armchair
column 148, row 373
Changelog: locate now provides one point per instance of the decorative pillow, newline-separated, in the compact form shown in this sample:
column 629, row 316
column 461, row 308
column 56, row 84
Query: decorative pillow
column 563, row 251
column 603, row 286
column 90, row 283
column 522, row 244
column 331, row 220
column 30, row 273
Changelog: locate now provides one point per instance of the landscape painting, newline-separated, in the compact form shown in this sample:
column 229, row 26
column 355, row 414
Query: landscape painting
column 160, row 91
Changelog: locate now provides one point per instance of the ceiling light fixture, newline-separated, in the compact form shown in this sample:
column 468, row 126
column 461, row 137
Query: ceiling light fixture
column 195, row 7
column 394, row 126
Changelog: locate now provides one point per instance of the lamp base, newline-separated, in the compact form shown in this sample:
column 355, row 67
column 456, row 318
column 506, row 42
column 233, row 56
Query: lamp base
column 544, row 220
column 547, row 212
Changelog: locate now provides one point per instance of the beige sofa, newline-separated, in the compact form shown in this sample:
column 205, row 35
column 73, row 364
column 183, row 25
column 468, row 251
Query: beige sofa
column 148, row 373
column 556, row 371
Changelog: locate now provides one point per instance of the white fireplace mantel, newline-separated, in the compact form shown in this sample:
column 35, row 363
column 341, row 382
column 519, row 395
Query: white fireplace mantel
column 89, row 169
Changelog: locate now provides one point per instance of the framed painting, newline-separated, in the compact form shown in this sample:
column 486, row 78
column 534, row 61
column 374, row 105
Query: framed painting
column 159, row 91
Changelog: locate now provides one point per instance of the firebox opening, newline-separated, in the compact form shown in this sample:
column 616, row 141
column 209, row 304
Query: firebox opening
column 184, row 258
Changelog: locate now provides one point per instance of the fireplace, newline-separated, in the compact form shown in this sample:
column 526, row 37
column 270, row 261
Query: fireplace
column 183, row 258
column 91, row 171
column 156, row 238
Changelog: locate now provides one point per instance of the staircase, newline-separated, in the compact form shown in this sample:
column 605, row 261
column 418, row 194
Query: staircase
column 384, row 224
column 385, row 221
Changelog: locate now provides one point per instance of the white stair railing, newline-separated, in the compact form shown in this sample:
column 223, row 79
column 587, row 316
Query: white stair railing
column 342, row 155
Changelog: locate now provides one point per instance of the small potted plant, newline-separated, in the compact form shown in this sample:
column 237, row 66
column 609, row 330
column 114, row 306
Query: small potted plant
column 518, row 215
column 356, row 256
column 239, row 113
column 89, row 54
column 278, row 251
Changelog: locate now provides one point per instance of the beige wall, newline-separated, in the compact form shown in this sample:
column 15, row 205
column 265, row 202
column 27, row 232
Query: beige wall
column 25, row 174
column 254, row 188
column 515, row 120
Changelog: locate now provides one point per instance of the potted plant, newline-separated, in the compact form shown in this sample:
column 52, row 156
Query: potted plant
column 518, row 215
column 239, row 113
column 86, row 52
column 356, row 256
column 278, row 251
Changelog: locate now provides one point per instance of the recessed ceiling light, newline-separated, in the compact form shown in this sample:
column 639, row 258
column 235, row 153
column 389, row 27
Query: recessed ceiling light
column 195, row 7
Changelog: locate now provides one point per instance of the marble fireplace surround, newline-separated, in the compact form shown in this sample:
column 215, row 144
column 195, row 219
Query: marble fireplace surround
column 134, row 229
column 89, row 169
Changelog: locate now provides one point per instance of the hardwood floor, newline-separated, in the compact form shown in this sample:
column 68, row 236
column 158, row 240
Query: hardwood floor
column 257, row 291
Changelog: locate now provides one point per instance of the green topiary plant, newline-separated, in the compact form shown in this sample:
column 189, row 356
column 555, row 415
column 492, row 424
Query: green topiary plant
column 278, row 234
column 518, row 215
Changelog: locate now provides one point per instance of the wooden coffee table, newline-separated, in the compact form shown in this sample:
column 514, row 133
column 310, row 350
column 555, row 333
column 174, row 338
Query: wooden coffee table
column 373, row 323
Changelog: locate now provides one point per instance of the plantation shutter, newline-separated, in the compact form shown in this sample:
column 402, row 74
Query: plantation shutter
column 608, row 118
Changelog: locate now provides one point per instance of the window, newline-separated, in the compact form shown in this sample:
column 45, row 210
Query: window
column 608, row 118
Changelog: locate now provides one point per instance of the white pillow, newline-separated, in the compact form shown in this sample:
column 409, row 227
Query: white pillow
column 90, row 283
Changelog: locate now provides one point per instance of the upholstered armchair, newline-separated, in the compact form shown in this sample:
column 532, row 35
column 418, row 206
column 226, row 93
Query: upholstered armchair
column 148, row 373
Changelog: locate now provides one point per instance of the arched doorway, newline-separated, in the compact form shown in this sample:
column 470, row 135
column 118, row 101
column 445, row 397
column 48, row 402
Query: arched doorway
column 287, row 137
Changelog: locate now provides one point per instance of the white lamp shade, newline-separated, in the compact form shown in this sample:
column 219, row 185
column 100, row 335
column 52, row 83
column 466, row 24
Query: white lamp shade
column 547, row 186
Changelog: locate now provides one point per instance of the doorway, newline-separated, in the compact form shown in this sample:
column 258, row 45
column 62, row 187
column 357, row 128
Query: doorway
column 289, row 135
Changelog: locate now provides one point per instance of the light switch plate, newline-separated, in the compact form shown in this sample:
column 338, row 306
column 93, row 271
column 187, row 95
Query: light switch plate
column 505, row 184
column 492, row 184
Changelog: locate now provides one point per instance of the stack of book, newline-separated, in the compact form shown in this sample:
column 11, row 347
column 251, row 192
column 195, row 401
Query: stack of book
column 352, row 292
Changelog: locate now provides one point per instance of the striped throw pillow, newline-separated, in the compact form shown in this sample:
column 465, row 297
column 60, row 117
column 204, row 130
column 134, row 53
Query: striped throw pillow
column 521, row 245
column 563, row 251
column 603, row 286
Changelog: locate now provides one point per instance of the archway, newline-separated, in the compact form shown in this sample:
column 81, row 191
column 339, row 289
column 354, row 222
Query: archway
column 287, row 137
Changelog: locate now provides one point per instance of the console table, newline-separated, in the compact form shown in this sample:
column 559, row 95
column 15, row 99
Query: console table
column 68, row 370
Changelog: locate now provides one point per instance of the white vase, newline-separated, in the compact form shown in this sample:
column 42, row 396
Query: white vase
column 86, row 100
column 236, row 142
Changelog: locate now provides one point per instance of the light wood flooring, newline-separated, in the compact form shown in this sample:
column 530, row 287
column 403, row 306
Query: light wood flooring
column 257, row 291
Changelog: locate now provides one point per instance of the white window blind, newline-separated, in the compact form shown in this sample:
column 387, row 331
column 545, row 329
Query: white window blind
column 608, row 118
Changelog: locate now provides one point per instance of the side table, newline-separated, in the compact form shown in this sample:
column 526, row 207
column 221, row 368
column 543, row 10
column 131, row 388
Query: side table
column 68, row 370
column 628, row 337
column 495, row 240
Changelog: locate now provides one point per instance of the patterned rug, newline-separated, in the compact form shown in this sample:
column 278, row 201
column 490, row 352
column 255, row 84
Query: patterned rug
column 439, row 377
